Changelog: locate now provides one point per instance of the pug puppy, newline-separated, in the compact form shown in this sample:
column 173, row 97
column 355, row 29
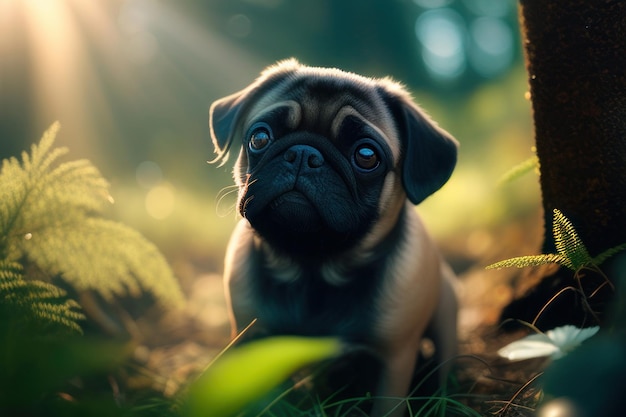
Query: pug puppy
column 329, row 167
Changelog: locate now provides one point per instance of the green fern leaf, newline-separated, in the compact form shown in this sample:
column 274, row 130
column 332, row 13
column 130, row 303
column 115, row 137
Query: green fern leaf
column 571, row 252
column 40, row 156
column 35, row 304
column 519, row 170
column 531, row 260
column 598, row 260
column 568, row 243
column 125, row 263
column 52, row 216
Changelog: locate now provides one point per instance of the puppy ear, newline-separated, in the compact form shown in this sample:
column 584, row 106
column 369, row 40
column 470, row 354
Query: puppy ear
column 224, row 115
column 429, row 152
column 227, row 113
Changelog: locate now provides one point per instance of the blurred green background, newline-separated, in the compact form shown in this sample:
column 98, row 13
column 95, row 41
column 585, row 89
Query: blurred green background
column 131, row 82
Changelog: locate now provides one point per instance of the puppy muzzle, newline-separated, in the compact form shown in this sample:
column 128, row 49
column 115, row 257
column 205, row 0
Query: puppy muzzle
column 301, row 186
column 304, row 156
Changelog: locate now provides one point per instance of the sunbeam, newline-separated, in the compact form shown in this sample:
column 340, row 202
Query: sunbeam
column 117, row 71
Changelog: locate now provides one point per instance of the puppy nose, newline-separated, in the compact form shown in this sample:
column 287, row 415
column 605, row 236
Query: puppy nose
column 304, row 154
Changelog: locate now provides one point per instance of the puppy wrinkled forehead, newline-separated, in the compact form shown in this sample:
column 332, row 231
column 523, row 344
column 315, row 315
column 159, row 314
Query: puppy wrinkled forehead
column 324, row 95
column 319, row 100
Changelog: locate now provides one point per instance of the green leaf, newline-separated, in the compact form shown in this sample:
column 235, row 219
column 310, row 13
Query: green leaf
column 247, row 373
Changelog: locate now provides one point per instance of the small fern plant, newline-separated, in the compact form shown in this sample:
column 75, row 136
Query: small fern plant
column 51, row 216
column 571, row 251
column 36, row 305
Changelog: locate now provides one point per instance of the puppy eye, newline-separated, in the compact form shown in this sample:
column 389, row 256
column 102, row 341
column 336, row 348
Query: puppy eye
column 366, row 158
column 259, row 139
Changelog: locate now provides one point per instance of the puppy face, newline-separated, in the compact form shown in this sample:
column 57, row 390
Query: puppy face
column 327, row 158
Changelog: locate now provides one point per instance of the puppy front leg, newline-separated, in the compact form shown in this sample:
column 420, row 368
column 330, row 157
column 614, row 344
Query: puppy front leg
column 444, row 324
column 395, row 384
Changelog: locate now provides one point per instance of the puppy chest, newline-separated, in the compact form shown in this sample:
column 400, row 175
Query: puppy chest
column 311, row 307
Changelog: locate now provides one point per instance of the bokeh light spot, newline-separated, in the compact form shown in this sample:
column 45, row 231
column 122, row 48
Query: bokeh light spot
column 492, row 46
column 442, row 35
column 160, row 201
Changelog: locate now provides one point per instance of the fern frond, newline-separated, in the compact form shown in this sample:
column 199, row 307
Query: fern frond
column 568, row 243
column 83, row 190
column 34, row 197
column 519, row 170
column 40, row 157
column 12, row 198
column 35, row 303
column 531, row 260
column 51, row 215
column 105, row 256
column 598, row 260
column 571, row 251
column 39, row 168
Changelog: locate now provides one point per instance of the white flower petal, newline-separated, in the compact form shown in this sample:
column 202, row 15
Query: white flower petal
column 529, row 347
column 554, row 343
column 561, row 336
column 569, row 337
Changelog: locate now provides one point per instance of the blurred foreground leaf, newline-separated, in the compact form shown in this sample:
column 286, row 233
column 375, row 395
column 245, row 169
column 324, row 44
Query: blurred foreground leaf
column 592, row 377
column 36, row 370
column 247, row 373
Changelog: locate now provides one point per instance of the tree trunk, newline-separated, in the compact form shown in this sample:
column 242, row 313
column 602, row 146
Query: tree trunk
column 576, row 61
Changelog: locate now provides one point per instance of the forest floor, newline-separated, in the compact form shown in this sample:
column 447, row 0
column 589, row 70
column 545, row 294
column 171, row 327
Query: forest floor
column 177, row 345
